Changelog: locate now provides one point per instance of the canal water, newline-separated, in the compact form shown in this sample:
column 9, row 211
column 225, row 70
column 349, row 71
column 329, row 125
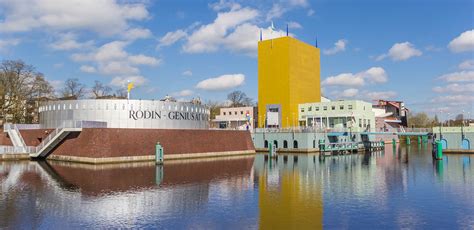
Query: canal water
column 397, row 188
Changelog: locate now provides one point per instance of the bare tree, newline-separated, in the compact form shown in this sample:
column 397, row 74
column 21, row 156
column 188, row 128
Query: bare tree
column 16, row 80
column 73, row 89
column 239, row 98
column 121, row 93
column 41, row 88
column 100, row 90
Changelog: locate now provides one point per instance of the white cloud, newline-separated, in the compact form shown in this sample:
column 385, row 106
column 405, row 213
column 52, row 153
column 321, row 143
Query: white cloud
column 137, row 33
column 339, row 46
column 112, row 59
column 462, row 43
column 455, row 88
column 463, row 76
column 381, row 95
column 144, row 60
column 244, row 38
column 301, row 3
column 467, row 64
column 310, row 12
column 373, row 75
column 223, row 4
column 294, row 25
column 344, row 79
column 68, row 41
column 187, row 73
column 183, row 93
column 276, row 11
column 171, row 37
column 123, row 81
column 8, row 42
column 117, row 68
column 88, row 69
column 208, row 38
column 457, row 99
column 104, row 17
column 376, row 75
column 351, row 92
column 401, row 52
column 223, row 82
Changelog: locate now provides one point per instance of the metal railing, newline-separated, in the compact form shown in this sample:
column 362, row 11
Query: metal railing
column 6, row 149
column 69, row 125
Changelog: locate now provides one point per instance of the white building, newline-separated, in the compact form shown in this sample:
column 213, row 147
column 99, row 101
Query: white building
column 353, row 115
column 236, row 118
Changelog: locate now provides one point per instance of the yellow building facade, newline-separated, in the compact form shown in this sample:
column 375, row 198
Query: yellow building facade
column 288, row 75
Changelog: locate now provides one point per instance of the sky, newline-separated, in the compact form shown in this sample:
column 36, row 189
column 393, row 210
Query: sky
column 417, row 51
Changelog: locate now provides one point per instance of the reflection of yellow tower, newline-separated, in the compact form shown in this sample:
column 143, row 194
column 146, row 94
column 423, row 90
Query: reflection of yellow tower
column 288, row 75
column 296, row 204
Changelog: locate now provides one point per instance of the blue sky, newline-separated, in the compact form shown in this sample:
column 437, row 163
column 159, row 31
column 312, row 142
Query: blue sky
column 421, row 52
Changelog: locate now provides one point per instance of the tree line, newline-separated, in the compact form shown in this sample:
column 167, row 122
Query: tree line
column 22, row 88
column 422, row 120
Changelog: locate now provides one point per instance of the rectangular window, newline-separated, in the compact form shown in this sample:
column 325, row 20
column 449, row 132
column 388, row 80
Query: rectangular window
column 302, row 110
column 224, row 113
column 325, row 108
column 241, row 112
column 349, row 106
column 360, row 123
column 235, row 112
column 310, row 109
column 341, row 107
column 317, row 108
column 333, row 107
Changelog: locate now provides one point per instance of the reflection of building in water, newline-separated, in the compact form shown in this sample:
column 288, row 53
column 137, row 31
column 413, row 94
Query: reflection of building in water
column 290, row 195
column 69, row 191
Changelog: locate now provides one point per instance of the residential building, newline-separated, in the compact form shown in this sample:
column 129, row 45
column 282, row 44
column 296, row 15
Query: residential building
column 352, row 115
column 236, row 118
column 288, row 75
column 390, row 115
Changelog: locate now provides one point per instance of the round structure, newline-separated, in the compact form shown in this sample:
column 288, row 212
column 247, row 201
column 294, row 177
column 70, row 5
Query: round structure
column 132, row 114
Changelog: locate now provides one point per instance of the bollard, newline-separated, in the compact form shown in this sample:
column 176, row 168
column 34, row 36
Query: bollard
column 271, row 150
column 419, row 139
column 159, row 154
column 408, row 140
column 439, row 150
column 394, row 142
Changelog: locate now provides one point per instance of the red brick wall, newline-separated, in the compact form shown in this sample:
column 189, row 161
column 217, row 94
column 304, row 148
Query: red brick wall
column 99, row 143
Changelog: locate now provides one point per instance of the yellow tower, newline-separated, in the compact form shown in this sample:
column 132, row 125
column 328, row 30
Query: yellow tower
column 288, row 75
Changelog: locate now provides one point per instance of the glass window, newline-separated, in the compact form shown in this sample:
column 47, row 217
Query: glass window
column 341, row 107
column 333, row 107
column 349, row 106
column 309, row 109
column 360, row 123
column 302, row 110
column 224, row 113
column 317, row 108
column 325, row 108
column 235, row 112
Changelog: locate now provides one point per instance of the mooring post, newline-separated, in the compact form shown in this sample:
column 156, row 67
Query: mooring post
column 271, row 150
column 394, row 142
column 439, row 150
column 419, row 139
column 408, row 140
column 159, row 154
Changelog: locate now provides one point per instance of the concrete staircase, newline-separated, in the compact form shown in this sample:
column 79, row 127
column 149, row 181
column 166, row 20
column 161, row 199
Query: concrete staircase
column 52, row 140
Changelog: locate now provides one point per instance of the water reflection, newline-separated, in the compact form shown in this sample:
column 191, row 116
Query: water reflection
column 401, row 187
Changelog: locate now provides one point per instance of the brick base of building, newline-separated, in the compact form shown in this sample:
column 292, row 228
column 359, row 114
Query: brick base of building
column 104, row 145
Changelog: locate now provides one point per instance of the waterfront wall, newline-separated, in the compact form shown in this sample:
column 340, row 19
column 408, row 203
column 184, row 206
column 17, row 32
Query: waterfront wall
column 304, row 141
column 104, row 145
column 455, row 137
